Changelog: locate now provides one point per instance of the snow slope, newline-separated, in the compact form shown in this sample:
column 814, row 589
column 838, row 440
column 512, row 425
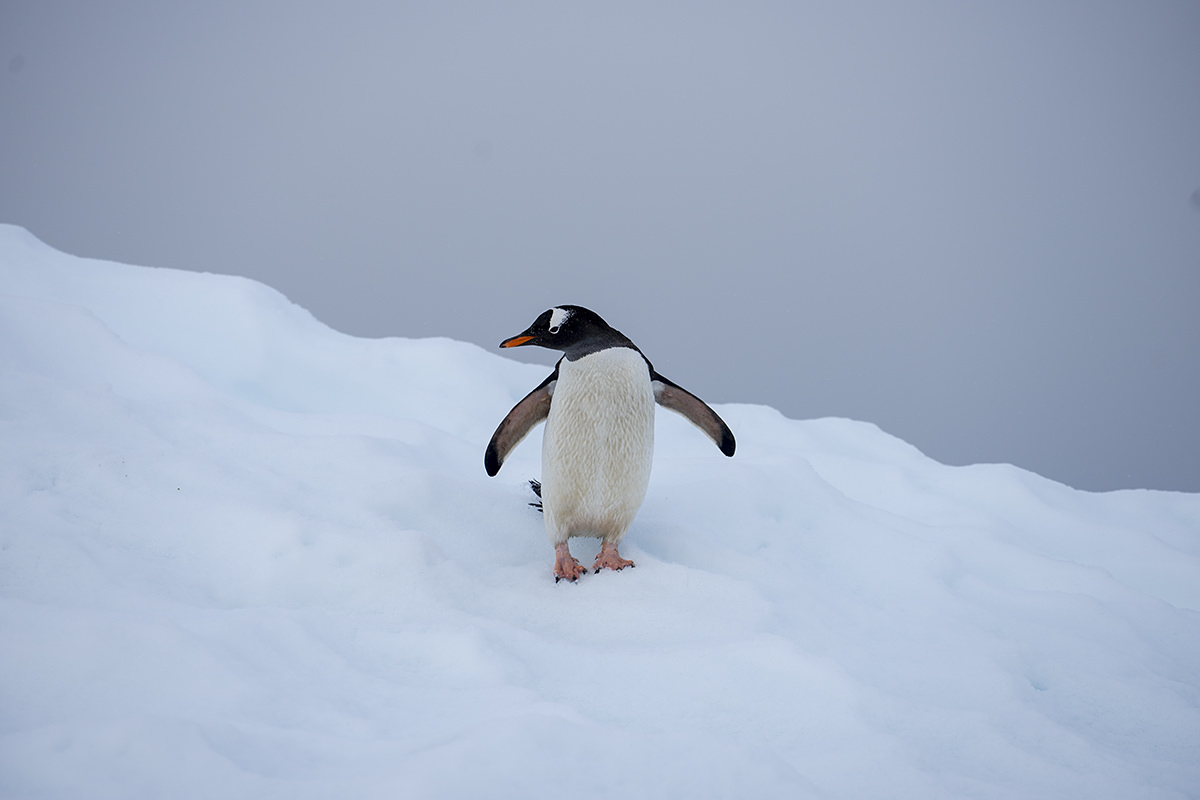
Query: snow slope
column 245, row 556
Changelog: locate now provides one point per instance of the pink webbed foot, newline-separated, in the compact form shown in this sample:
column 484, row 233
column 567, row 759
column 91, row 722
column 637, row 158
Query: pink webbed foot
column 610, row 558
column 566, row 565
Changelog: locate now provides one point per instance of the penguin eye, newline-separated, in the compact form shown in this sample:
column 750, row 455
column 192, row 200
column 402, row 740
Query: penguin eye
column 555, row 328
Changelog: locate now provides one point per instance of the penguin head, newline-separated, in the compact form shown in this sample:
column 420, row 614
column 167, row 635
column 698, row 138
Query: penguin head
column 575, row 330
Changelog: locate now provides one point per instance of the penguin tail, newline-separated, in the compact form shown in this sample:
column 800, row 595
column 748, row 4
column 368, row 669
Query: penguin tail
column 537, row 489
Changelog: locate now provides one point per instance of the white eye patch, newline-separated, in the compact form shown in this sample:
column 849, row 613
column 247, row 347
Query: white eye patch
column 557, row 317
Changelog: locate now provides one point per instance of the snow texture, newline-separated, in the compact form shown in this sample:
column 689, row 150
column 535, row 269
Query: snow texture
column 245, row 556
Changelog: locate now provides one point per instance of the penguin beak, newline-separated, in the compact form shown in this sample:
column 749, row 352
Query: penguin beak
column 517, row 341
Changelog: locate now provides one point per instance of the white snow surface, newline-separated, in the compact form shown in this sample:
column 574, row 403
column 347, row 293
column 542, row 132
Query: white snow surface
column 243, row 555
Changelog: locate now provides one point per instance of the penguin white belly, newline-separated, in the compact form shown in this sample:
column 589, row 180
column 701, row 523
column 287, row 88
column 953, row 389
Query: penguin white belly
column 598, row 445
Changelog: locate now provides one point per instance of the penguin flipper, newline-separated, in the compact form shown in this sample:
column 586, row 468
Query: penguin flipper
column 534, row 408
column 673, row 396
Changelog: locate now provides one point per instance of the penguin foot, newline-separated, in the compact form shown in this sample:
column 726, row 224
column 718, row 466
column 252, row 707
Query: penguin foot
column 566, row 565
column 609, row 557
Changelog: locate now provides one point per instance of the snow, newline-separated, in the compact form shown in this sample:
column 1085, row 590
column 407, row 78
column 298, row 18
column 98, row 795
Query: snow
column 243, row 555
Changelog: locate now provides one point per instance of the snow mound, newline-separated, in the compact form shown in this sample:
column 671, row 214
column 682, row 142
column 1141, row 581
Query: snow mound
column 243, row 555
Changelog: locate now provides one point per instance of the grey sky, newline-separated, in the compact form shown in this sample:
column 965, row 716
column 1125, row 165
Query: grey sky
column 972, row 224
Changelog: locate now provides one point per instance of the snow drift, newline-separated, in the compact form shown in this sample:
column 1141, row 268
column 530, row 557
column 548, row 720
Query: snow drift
column 243, row 555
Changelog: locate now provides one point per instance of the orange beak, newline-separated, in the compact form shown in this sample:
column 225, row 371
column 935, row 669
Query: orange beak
column 516, row 341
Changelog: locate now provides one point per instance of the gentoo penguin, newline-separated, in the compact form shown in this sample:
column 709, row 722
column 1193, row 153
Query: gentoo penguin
column 598, row 445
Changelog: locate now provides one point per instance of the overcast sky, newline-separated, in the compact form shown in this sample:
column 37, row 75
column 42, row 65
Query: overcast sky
column 975, row 225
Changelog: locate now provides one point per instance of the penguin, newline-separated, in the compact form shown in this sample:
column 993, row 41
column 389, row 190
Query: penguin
column 598, row 446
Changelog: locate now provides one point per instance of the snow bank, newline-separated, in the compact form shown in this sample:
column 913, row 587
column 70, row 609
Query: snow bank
column 243, row 555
